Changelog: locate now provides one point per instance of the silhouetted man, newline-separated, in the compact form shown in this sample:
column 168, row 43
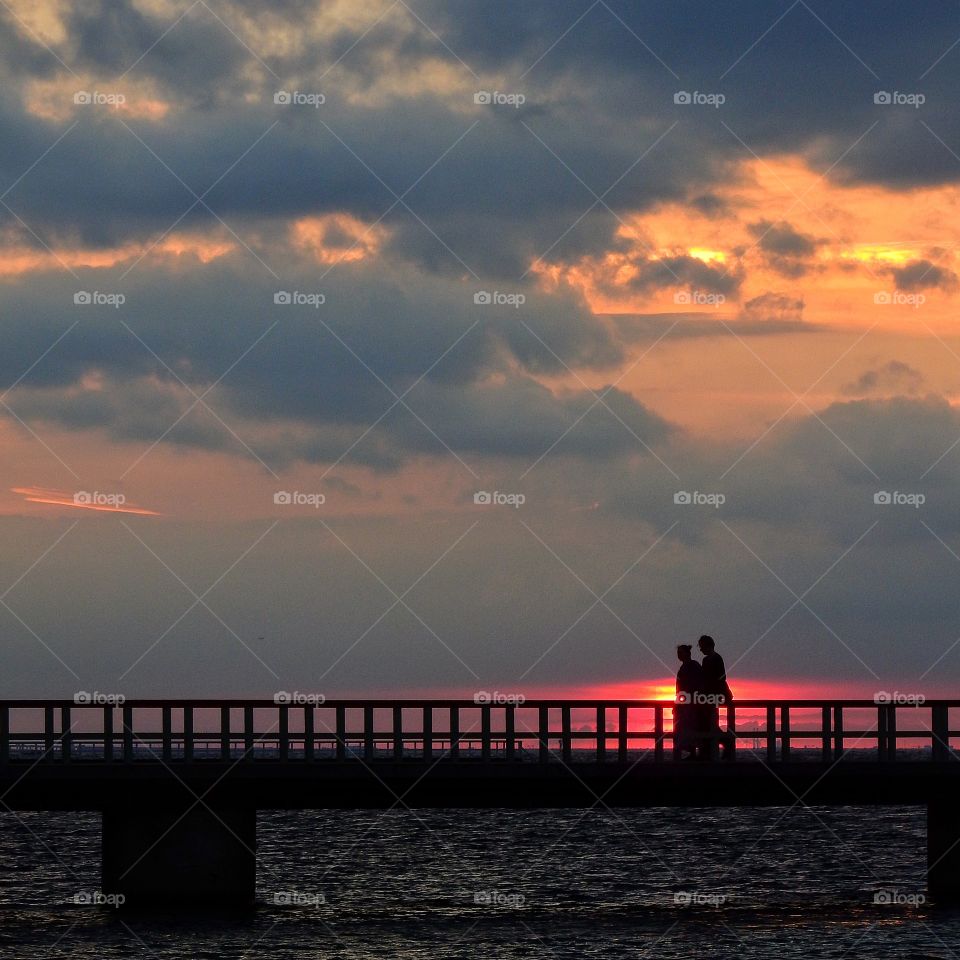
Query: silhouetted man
column 715, row 691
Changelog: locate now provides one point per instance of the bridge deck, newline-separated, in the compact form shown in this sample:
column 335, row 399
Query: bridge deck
column 303, row 751
column 493, row 784
column 179, row 782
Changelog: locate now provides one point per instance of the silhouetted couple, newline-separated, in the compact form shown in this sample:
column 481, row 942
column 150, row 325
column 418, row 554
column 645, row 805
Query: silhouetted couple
column 702, row 689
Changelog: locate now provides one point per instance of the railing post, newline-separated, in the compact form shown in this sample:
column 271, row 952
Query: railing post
column 825, row 734
column 891, row 732
column 731, row 743
column 427, row 725
column 127, row 734
column 47, row 733
column 224, row 733
column 838, row 732
column 454, row 731
column 544, row 734
column 248, row 733
column 397, row 733
column 658, row 734
column 771, row 734
column 940, row 743
column 565, row 739
column 881, row 733
column 784, row 732
column 622, row 735
column 284, row 735
column 341, row 723
column 485, row 731
column 166, row 733
column 308, row 732
column 601, row 734
column 66, row 734
column 368, row 733
column 188, row 733
column 4, row 735
column 509, row 724
column 108, row 734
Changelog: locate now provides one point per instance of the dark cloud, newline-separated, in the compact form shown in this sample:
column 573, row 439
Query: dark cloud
column 923, row 275
column 712, row 206
column 799, row 79
column 786, row 250
column 647, row 327
column 782, row 239
column 684, row 271
column 518, row 419
column 100, row 185
column 778, row 309
column 895, row 376
column 812, row 480
column 464, row 368
column 495, row 202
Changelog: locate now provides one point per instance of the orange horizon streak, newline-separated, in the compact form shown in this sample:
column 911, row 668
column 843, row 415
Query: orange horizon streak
column 140, row 511
column 32, row 497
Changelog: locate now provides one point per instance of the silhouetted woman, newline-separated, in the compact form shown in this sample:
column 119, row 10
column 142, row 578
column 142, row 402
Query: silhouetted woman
column 685, row 713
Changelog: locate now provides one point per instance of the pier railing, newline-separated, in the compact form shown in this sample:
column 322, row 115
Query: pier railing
column 593, row 731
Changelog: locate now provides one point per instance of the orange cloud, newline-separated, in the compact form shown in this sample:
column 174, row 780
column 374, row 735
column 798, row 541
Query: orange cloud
column 19, row 260
column 860, row 236
column 337, row 237
column 71, row 96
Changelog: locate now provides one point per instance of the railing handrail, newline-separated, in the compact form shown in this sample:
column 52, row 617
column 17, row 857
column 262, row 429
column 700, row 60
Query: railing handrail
column 463, row 704
column 639, row 720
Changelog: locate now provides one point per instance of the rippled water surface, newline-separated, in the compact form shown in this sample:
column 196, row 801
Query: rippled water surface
column 450, row 884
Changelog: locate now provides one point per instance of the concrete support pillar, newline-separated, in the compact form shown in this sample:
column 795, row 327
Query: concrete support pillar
column 943, row 851
column 177, row 856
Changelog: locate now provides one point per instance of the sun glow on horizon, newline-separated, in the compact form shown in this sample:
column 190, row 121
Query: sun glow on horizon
column 707, row 256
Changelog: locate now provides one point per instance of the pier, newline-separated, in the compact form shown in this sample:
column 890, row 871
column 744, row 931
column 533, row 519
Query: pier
column 179, row 782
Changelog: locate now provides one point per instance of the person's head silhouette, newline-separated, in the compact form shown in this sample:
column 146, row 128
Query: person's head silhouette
column 706, row 644
column 684, row 652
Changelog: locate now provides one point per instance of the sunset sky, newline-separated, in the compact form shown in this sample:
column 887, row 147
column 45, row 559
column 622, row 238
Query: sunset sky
column 288, row 289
